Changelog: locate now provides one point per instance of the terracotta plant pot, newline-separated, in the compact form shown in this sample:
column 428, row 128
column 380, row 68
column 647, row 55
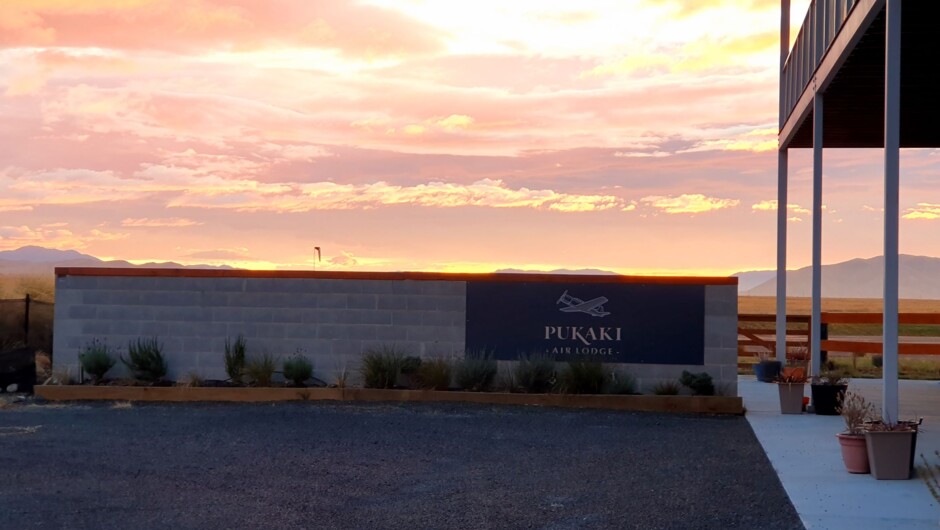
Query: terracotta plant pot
column 890, row 453
column 791, row 397
column 854, row 452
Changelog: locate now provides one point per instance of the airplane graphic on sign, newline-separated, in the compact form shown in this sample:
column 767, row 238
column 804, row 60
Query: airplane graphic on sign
column 594, row 307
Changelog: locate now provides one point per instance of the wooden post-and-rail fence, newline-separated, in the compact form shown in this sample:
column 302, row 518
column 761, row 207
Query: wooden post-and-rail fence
column 757, row 335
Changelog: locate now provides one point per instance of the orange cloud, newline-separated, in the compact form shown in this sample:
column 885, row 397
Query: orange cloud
column 352, row 29
column 52, row 235
column 170, row 222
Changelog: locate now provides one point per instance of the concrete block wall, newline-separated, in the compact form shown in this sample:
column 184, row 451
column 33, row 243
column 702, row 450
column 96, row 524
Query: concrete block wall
column 329, row 317
column 331, row 321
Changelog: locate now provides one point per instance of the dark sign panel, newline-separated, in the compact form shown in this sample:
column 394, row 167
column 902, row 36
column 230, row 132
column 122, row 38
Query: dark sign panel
column 612, row 322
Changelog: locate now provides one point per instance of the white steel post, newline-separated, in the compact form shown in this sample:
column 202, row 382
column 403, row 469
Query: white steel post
column 817, row 230
column 782, row 167
column 892, row 176
column 782, row 164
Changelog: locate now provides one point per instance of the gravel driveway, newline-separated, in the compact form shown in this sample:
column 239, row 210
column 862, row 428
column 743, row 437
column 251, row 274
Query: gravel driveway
column 328, row 465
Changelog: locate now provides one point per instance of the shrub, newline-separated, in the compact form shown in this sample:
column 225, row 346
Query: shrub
column 434, row 374
column 260, row 370
column 877, row 361
column 298, row 369
column 145, row 360
column 535, row 374
column 235, row 358
column 620, row 382
column 475, row 374
column 666, row 388
column 96, row 359
column 381, row 366
column 582, row 377
column 701, row 383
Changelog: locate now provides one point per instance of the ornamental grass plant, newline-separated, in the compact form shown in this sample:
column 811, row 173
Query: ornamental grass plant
column 235, row 358
column 534, row 374
column 434, row 374
column 96, row 359
column 145, row 360
column 297, row 369
column 381, row 367
column 260, row 369
column 475, row 373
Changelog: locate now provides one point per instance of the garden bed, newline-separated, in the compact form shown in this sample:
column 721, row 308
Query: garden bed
column 692, row 404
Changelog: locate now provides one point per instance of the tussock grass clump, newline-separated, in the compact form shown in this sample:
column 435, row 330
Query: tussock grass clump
column 700, row 384
column 434, row 374
column 475, row 374
column 190, row 380
column 96, row 359
column 145, row 359
column 298, row 369
column 235, row 358
column 535, row 374
column 666, row 388
column 381, row 367
column 260, row 370
column 620, row 382
column 582, row 377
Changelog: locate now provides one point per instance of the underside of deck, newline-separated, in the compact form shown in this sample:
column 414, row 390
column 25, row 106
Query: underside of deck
column 854, row 100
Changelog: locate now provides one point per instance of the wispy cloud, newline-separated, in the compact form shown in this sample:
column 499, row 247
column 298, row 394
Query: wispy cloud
column 688, row 203
column 771, row 206
column 169, row 222
column 332, row 196
column 924, row 211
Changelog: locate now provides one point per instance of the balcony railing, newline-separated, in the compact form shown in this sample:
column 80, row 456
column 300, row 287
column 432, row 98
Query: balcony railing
column 823, row 21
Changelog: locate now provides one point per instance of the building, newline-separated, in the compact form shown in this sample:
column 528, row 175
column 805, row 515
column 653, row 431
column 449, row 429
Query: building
column 860, row 74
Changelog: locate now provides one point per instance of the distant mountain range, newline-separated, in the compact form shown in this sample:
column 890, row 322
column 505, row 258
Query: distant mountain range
column 856, row 278
column 40, row 260
column 559, row 271
column 919, row 278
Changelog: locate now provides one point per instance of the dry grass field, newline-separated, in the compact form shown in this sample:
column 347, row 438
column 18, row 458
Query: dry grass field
column 39, row 287
column 911, row 366
column 802, row 306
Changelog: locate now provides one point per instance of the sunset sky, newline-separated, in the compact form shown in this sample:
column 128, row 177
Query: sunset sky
column 636, row 136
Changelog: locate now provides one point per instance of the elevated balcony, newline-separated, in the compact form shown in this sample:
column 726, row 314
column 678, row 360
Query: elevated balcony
column 839, row 51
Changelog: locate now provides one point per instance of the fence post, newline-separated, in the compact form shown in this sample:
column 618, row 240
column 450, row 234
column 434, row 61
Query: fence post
column 26, row 321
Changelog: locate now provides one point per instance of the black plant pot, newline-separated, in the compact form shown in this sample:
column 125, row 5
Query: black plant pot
column 767, row 371
column 827, row 398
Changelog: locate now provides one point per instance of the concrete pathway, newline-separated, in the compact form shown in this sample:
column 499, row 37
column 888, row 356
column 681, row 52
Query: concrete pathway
column 804, row 451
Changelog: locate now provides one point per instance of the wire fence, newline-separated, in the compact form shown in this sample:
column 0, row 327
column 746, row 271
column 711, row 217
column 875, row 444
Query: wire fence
column 26, row 322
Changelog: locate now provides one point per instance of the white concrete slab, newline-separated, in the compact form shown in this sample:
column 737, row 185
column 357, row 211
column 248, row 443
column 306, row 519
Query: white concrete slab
column 804, row 451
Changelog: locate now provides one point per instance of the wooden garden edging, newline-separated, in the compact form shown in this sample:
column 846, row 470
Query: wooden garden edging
column 691, row 404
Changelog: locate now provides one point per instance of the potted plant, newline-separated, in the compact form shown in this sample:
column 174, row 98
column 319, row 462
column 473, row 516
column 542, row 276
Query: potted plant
column 767, row 368
column 828, row 389
column 799, row 356
column 856, row 411
column 891, row 448
column 791, row 383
